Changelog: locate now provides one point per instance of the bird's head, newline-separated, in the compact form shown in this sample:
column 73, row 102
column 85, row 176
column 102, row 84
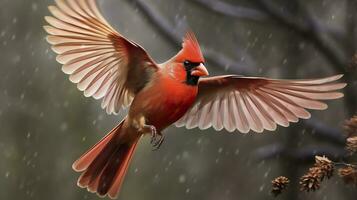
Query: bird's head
column 190, row 60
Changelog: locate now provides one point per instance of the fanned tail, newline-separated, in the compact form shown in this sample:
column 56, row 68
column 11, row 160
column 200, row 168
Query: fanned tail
column 104, row 166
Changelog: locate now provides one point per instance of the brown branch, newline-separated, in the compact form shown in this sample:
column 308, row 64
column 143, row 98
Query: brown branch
column 300, row 155
column 309, row 29
column 351, row 22
column 325, row 132
column 174, row 36
column 227, row 9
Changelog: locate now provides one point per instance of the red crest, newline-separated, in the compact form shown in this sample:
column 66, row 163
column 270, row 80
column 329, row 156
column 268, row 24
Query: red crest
column 191, row 50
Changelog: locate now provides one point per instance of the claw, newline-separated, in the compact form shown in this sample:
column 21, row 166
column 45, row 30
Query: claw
column 158, row 143
column 156, row 137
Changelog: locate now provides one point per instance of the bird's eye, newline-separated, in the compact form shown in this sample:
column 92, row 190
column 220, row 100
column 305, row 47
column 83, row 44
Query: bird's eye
column 190, row 65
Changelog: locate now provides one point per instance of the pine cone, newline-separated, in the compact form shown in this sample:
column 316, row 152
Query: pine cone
column 349, row 175
column 351, row 144
column 326, row 166
column 311, row 181
column 323, row 168
column 350, row 126
column 279, row 184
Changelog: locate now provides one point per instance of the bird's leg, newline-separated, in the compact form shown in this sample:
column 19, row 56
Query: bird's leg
column 153, row 133
column 156, row 137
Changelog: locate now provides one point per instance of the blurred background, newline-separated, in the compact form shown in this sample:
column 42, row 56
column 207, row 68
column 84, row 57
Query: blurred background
column 46, row 123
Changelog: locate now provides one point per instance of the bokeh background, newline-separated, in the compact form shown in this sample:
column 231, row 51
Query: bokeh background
column 45, row 123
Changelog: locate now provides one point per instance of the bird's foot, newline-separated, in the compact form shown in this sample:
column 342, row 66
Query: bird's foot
column 156, row 137
column 156, row 144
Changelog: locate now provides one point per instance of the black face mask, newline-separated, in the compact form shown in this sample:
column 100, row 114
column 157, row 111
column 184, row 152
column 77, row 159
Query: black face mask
column 190, row 80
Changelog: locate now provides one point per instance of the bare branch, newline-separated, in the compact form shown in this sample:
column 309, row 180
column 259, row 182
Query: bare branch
column 305, row 154
column 227, row 9
column 309, row 29
column 325, row 132
column 173, row 35
column 351, row 22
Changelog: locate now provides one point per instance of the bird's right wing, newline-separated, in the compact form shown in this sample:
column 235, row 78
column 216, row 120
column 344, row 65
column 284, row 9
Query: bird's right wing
column 102, row 62
column 251, row 103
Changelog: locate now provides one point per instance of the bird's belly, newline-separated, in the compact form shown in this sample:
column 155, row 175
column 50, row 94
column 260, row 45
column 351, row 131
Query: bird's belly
column 168, row 113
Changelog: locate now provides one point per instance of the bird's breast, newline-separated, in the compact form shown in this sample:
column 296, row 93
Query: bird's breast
column 164, row 102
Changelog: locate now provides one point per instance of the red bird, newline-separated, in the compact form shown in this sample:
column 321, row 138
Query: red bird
column 106, row 65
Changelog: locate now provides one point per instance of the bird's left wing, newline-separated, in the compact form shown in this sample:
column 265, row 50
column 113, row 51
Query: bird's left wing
column 102, row 62
column 248, row 103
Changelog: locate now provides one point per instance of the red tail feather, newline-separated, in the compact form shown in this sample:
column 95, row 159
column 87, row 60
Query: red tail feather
column 104, row 166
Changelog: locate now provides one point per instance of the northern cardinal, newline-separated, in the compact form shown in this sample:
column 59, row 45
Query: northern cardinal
column 106, row 65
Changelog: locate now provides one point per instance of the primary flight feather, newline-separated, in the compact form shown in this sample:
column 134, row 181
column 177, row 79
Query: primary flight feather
column 106, row 65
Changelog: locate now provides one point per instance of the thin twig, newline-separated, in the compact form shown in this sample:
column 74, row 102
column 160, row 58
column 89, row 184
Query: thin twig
column 305, row 154
column 345, row 164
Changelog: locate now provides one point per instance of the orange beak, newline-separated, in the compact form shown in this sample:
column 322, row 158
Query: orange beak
column 200, row 71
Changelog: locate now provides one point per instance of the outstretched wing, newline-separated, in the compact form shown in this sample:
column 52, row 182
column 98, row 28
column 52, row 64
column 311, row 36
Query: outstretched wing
column 249, row 103
column 102, row 62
